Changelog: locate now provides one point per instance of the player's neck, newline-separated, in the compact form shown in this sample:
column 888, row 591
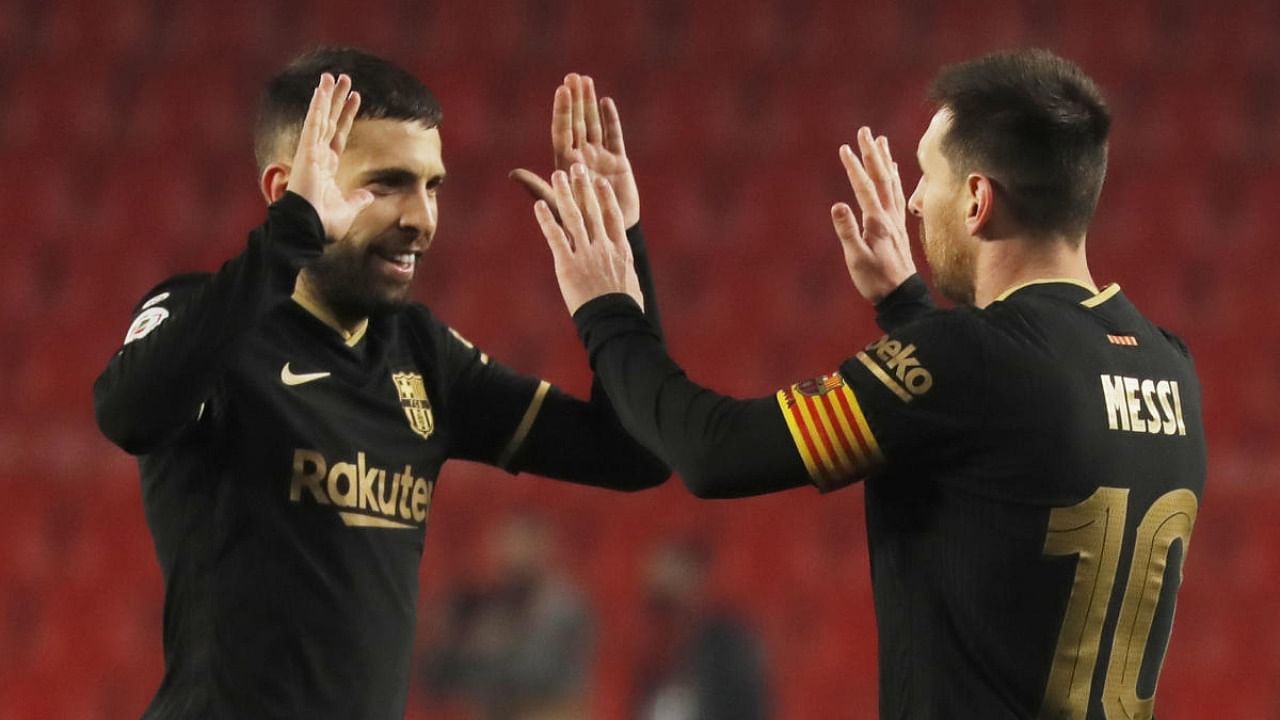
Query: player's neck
column 1008, row 263
column 305, row 294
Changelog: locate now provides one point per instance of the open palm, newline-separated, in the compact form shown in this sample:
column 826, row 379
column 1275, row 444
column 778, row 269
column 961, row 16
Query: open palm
column 314, row 173
column 588, row 131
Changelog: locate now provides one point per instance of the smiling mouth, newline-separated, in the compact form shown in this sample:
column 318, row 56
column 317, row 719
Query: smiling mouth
column 399, row 266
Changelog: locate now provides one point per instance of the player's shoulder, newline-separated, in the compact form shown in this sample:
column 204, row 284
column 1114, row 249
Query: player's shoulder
column 1177, row 343
column 173, row 287
column 940, row 348
column 418, row 315
column 957, row 329
column 422, row 322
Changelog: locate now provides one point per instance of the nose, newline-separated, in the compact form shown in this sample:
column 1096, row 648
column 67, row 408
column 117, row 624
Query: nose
column 418, row 212
column 916, row 203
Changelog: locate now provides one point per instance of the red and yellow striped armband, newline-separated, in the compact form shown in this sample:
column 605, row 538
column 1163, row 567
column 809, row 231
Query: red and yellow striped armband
column 830, row 431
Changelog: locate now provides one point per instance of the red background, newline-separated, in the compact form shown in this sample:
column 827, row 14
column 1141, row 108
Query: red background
column 124, row 140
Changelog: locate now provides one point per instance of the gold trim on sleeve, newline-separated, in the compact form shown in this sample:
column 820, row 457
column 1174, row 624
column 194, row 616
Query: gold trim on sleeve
column 526, row 423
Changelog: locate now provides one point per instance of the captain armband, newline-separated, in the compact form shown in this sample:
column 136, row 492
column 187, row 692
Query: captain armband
column 830, row 431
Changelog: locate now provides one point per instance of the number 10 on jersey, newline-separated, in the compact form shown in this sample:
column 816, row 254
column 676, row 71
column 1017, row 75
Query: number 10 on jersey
column 1093, row 531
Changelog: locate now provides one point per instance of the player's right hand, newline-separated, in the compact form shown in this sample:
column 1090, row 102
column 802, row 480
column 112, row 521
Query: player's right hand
column 589, row 241
column 314, row 174
column 877, row 253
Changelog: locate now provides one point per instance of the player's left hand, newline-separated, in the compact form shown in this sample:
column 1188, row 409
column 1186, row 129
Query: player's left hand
column 587, row 131
column 589, row 243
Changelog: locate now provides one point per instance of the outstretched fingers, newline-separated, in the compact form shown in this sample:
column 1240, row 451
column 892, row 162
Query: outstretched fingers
column 889, row 182
column 875, row 162
column 574, row 81
column 591, row 110
column 337, row 101
column 313, row 123
column 864, row 189
column 899, row 197
column 570, row 215
column 614, row 224
column 559, row 243
column 347, row 119
column 612, row 127
column 587, row 200
column 562, row 121
column 884, row 172
column 846, row 226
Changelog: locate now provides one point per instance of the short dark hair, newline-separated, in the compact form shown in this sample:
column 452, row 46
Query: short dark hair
column 386, row 91
column 1037, row 126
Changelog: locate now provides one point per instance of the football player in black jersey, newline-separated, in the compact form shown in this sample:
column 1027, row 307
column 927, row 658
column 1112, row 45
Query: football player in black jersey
column 1033, row 458
column 291, row 411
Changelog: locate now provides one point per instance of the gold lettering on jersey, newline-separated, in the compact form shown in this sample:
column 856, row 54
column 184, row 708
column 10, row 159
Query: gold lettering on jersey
column 1143, row 405
column 369, row 496
column 902, row 372
column 413, row 397
column 308, row 473
column 343, row 487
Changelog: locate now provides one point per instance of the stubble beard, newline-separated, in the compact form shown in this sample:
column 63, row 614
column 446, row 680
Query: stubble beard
column 344, row 281
column 952, row 263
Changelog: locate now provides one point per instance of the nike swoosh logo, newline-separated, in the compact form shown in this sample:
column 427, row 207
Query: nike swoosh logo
column 288, row 377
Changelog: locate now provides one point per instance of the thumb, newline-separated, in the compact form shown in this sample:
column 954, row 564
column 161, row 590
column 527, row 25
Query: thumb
column 360, row 199
column 537, row 188
column 846, row 226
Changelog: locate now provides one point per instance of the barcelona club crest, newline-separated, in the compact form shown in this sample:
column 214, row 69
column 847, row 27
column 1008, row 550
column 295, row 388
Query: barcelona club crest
column 413, row 397
column 819, row 386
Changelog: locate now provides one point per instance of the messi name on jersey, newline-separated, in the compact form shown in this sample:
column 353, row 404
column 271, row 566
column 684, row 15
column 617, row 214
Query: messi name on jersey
column 367, row 496
column 1143, row 405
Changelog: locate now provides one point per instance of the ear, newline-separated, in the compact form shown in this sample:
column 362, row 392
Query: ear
column 274, row 181
column 982, row 201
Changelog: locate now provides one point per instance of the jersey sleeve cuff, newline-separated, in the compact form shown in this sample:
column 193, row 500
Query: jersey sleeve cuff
column 296, row 230
column 635, row 237
column 508, row 455
column 602, row 319
column 907, row 302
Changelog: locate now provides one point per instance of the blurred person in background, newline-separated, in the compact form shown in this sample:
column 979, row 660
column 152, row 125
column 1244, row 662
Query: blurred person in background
column 291, row 411
column 698, row 662
column 1034, row 458
column 519, row 646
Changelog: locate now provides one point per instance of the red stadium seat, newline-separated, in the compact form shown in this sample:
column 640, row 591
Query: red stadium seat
column 61, row 105
column 850, row 39
column 95, row 31
column 186, row 105
column 231, row 31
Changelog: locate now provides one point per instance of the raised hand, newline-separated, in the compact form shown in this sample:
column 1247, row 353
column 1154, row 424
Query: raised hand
column 587, row 131
column 877, row 253
column 589, row 242
column 320, row 145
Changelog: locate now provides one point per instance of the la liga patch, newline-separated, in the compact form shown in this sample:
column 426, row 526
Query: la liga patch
column 146, row 321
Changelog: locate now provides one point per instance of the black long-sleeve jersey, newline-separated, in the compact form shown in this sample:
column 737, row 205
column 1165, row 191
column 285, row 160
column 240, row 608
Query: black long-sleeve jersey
column 288, row 472
column 1033, row 471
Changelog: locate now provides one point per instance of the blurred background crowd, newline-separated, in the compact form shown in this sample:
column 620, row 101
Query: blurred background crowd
column 125, row 148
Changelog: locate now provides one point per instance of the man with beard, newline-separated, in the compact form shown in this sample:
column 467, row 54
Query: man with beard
column 1033, row 458
column 291, row 411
